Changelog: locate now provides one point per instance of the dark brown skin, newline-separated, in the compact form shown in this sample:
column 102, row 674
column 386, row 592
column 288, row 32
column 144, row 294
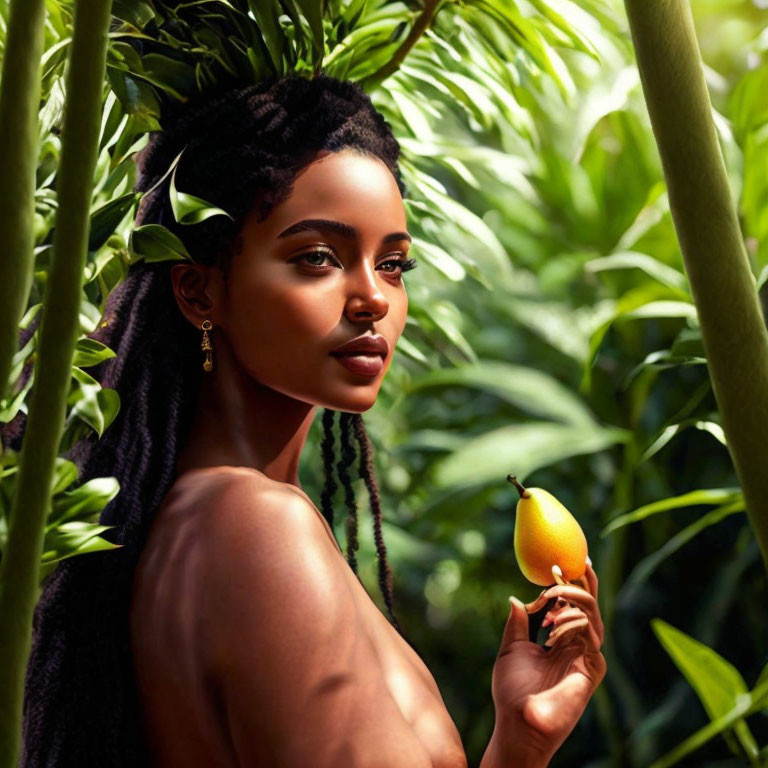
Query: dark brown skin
column 254, row 643
column 272, row 333
column 274, row 329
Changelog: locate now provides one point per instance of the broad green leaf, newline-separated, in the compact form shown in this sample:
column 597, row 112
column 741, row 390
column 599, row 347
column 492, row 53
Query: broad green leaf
column 153, row 242
column 107, row 217
column 136, row 12
column 662, row 309
column 719, row 685
column 436, row 440
column 188, row 209
column 97, row 406
column 411, row 350
column 74, row 538
column 521, row 449
column 440, row 259
column 569, row 18
column 353, row 11
column 635, row 260
column 360, row 39
column 171, row 75
column 84, row 502
column 65, row 474
column 746, row 704
column 90, row 352
column 10, row 406
column 690, row 499
column 674, row 429
column 313, row 11
column 266, row 14
column 526, row 388
column 113, row 121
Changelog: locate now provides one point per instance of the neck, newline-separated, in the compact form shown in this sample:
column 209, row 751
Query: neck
column 241, row 422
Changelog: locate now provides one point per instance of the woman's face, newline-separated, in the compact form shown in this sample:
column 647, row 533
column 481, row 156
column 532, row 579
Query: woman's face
column 297, row 292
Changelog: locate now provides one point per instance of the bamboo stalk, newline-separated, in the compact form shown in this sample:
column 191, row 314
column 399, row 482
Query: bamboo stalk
column 59, row 330
column 723, row 286
column 19, row 105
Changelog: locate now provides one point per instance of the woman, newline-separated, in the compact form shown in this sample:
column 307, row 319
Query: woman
column 228, row 630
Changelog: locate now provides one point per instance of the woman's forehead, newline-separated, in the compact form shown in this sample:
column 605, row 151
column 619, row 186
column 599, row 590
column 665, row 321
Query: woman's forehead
column 348, row 187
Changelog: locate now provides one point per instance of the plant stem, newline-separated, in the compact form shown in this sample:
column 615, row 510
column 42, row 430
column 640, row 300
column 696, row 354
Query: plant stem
column 420, row 26
column 521, row 489
column 722, row 283
column 59, row 330
column 19, row 104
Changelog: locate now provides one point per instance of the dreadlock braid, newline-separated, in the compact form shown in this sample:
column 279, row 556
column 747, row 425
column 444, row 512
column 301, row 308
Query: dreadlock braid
column 326, row 446
column 368, row 475
column 347, row 457
column 241, row 150
column 80, row 659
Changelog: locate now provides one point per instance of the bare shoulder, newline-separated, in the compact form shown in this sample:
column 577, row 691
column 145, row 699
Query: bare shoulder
column 232, row 500
column 266, row 547
column 287, row 649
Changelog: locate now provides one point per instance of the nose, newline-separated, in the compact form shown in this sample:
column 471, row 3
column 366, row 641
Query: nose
column 366, row 300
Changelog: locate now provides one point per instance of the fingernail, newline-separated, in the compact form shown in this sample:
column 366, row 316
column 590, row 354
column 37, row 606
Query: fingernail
column 589, row 562
column 514, row 601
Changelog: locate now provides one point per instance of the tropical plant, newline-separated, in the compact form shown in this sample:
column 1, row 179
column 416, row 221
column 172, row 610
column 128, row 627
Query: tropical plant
column 552, row 331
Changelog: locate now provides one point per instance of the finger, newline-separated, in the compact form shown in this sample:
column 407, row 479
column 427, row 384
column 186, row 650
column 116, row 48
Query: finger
column 516, row 628
column 569, row 632
column 587, row 635
column 538, row 603
column 563, row 631
column 558, row 617
column 591, row 578
column 592, row 639
column 583, row 600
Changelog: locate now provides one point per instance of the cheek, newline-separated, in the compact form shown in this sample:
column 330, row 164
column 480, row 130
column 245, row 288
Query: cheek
column 284, row 320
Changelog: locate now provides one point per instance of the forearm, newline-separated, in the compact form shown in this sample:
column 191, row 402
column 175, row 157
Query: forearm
column 509, row 750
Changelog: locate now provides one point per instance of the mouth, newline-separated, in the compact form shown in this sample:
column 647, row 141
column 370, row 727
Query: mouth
column 362, row 363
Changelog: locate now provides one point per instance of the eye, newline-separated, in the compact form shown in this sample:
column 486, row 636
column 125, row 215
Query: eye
column 402, row 264
column 318, row 255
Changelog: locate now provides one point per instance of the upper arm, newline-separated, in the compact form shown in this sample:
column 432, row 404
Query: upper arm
column 295, row 668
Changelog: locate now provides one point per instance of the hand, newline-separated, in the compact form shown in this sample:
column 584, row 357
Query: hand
column 540, row 694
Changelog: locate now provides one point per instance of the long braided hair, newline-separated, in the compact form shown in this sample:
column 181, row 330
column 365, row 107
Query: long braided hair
column 242, row 149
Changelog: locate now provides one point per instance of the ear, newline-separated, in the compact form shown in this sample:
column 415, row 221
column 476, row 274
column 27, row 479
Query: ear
column 198, row 289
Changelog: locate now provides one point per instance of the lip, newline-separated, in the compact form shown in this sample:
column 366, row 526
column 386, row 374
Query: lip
column 367, row 344
column 368, row 365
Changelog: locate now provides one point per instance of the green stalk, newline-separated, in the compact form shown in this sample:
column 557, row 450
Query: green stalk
column 723, row 286
column 59, row 330
column 420, row 26
column 19, row 105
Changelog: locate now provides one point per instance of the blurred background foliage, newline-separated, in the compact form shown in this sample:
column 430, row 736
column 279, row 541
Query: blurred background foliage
column 551, row 334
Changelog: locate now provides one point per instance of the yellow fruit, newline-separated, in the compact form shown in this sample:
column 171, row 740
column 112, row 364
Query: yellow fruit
column 547, row 534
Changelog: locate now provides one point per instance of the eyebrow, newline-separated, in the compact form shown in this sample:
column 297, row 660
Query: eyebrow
column 337, row 227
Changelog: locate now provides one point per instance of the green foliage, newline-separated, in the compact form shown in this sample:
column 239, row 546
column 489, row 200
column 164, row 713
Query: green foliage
column 718, row 684
column 551, row 331
column 72, row 525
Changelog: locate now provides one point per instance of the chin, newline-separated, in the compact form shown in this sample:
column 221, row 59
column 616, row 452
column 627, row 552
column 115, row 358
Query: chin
column 359, row 404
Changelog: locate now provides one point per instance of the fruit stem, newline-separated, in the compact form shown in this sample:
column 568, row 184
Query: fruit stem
column 520, row 488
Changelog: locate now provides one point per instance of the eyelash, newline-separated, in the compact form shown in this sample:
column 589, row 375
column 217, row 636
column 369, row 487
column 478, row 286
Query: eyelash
column 404, row 264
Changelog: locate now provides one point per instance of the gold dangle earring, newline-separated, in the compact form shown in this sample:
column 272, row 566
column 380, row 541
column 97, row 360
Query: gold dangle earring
column 206, row 345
